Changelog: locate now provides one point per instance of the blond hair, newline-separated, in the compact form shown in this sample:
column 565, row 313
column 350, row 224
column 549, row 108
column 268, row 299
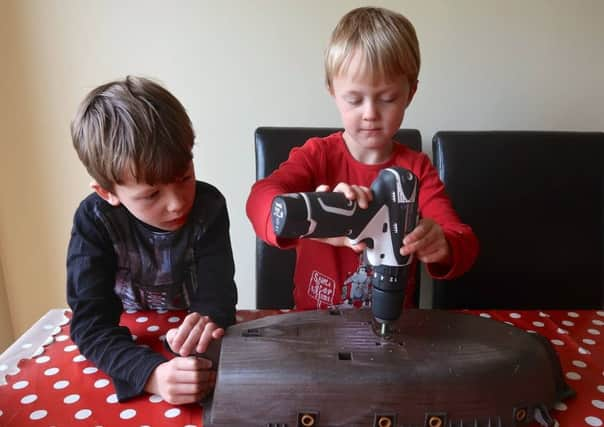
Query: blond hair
column 132, row 126
column 386, row 40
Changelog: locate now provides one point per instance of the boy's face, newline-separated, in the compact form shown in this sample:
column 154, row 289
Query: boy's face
column 372, row 110
column 163, row 206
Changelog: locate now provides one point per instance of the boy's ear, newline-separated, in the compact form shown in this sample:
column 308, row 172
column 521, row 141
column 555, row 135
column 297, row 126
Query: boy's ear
column 412, row 90
column 104, row 194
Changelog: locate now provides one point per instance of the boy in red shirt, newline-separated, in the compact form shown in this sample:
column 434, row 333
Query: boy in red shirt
column 371, row 64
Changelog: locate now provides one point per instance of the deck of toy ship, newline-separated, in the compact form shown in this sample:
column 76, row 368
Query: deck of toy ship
column 464, row 367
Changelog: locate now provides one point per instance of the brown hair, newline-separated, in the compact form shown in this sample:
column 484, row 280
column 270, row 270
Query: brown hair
column 386, row 40
column 132, row 125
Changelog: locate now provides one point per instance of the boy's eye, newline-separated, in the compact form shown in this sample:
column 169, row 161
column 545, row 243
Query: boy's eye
column 151, row 196
column 353, row 101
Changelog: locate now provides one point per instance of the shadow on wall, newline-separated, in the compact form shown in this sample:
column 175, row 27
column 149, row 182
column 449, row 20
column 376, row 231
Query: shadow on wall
column 7, row 335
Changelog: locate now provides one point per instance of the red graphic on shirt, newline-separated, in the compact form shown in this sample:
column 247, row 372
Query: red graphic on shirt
column 321, row 288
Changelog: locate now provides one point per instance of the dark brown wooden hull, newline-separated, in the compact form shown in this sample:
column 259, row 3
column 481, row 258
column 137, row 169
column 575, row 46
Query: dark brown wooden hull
column 438, row 369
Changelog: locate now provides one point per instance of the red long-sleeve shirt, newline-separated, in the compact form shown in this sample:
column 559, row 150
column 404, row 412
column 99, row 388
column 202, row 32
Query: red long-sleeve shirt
column 322, row 269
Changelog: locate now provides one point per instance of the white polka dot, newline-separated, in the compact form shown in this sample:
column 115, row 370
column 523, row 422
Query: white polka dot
column 3, row 367
column 600, row 313
column 562, row 331
column 101, row 383
column 27, row 345
column 82, row 414
column 131, row 311
column 1, row 413
column 59, row 385
column 38, row 415
column 142, row 319
column 560, row 406
column 51, row 371
column 538, row 324
column 515, row 315
column 90, row 370
column 584, row 351
column 39, row 350
column 134, row 337
column 542, row 314
column 61, row 338
column 572, row 314
column 153, row 328
column 127, row 414
column 48, row 341
column 162, row 311
column 71, row 347
column 593, row 331
column 171, row 413
column 508, row 323
column 29, row 399
column 579, row 364
column 598, row 404
column 79, row 358
column 588, row 341
column 190, row 425
column 20, row 385
column 557, row 342
column 568, row 323
column 573, row 376
column 485, row 315
column 112, row 398
column 42, row 359
column 72, row 398
column 56, row 330
column 597, row 322
column 174, row 319
column 155, row 398
column 601, row 388
column 593, row 421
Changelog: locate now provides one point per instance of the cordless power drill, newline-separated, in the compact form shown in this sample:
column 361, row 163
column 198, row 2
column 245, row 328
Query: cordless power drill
column 390, row 216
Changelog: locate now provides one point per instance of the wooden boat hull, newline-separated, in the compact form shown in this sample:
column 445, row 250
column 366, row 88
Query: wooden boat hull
column 437, row 369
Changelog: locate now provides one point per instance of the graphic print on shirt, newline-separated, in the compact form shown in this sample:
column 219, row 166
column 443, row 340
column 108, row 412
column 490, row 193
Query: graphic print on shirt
column 155, row 270
column 322, row 289
column 356, row 290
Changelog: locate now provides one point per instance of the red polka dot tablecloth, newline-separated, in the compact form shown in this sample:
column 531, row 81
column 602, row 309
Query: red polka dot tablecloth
column 57, row 386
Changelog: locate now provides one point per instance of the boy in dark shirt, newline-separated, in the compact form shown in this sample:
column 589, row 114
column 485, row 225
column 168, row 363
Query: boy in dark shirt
column 149, row 237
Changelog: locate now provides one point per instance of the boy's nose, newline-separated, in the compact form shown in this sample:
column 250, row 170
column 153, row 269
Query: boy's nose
column 370, row 111
column 176, row 203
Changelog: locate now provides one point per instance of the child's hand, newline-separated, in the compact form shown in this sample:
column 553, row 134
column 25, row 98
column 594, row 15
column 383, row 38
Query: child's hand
column 182, row 380
column 193, row 335
column 359, row 193
column 427, row 241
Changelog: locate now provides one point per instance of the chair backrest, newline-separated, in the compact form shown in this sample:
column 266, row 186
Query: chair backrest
column 535, row 201
column 275, row 267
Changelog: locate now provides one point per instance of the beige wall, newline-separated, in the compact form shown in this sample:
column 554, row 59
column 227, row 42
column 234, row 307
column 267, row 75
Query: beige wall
column 240, row 64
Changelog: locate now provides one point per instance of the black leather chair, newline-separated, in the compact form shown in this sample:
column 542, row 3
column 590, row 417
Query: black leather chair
column 535, row 201
column 275, row 267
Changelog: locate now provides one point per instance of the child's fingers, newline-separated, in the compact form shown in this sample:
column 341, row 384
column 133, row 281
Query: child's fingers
column 218, row 333
column 322, row 187
column 183, row 331
column 194, row 334
column 206, row 337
